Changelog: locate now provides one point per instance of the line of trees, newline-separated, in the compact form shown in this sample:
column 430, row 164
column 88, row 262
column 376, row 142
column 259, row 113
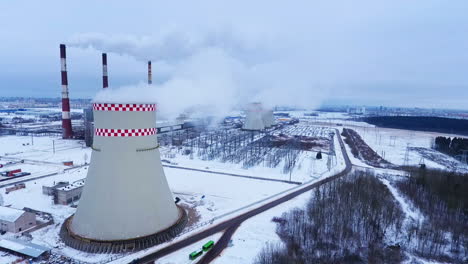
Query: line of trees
column 362, row 151
column 421, row 123
column 356, row 219
column 451, row 146
column 345, row 221
column 442, row 197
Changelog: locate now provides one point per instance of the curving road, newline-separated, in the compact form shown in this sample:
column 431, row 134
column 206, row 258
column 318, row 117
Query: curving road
column 231, row 225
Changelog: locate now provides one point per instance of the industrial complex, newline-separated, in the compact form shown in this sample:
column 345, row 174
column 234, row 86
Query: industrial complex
column 112, row 181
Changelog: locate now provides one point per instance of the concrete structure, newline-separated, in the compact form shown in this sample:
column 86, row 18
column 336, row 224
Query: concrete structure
column 254, row 117
column 15, row 220
column 67, row 131
column 126, row 203
column 65, row 193
column 268, row 118
column 50, row 190
column 70, row 193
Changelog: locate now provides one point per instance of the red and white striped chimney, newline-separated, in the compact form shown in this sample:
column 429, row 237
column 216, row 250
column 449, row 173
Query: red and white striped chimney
column 67, row 131
column 105, row 80
column 150, row 75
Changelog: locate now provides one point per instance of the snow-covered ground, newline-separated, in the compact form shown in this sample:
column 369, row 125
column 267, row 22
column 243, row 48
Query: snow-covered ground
column 307, row 167
column 209, row 194
column 42, row 149
column 247, row 244
column 392, row 144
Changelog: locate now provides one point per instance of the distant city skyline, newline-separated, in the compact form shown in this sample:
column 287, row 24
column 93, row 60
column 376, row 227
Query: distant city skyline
column 309, row 53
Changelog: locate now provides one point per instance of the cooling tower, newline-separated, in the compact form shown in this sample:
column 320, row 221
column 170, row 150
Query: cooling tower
column 268, row 118
column 254, row 117
column 126, row 203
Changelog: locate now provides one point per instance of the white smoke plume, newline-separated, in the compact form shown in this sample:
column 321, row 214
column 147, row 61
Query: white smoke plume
column 216, row 71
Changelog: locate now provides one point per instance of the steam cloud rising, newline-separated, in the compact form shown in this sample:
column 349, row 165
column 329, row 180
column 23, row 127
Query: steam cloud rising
column 216, row 70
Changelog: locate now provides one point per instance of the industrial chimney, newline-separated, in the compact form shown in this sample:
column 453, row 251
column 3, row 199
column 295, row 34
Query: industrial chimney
column 105, row 80
column 126, row 203
column 150, row 76
column 254, row 117
column 67, row 131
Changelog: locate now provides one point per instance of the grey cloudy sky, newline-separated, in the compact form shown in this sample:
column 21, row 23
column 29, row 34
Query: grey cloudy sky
column 398, row 52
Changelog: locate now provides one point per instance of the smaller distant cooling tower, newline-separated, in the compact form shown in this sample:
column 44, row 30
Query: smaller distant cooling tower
column 268, row 118
column 126, row 203
column 254, row 117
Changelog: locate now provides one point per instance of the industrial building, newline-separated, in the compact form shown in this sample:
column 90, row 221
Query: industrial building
column 125, row 205
column 15, row 220
column 254, row 117
column 24, row 248
column 65, row 193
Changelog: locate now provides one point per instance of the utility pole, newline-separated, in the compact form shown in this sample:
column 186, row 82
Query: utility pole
column 464, row 156
column 406, row 161
column 53, row 145
column 32, row 139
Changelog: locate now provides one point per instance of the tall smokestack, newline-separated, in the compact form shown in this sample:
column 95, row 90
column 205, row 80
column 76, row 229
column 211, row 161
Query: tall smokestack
column 150, row 76
column 105, row 80
column 67, row 131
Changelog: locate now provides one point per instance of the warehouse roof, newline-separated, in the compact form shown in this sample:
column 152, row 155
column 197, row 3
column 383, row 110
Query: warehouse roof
column 10, row 214
column 23, row 247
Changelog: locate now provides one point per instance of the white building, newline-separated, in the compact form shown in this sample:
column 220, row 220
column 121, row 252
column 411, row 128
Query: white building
column 15, row 220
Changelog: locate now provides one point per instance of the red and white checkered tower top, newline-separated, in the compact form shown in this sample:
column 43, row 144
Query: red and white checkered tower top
column 132, row 120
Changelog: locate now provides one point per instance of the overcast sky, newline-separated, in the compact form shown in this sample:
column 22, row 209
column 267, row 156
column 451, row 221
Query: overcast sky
column 395, row 52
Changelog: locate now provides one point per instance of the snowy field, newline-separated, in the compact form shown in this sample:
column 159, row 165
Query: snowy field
column 209, row 194
column 392, row 144
column 247, row 244
column 307, row 166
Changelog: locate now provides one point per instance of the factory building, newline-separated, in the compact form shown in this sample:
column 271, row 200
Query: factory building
column 254, row 117
column 126, row 204
column 65, row 193
column 15, row 220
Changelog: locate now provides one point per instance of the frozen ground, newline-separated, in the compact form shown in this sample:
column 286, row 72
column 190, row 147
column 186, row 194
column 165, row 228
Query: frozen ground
column 246, row 244
column 392, row 144
column 307, row 166
column 209, row 194
column 42, row 149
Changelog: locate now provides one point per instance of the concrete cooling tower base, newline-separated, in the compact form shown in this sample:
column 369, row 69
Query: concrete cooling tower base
column 75, row 241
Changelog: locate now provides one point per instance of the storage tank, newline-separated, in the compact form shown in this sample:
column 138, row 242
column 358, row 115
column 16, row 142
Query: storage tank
column 126, row 203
